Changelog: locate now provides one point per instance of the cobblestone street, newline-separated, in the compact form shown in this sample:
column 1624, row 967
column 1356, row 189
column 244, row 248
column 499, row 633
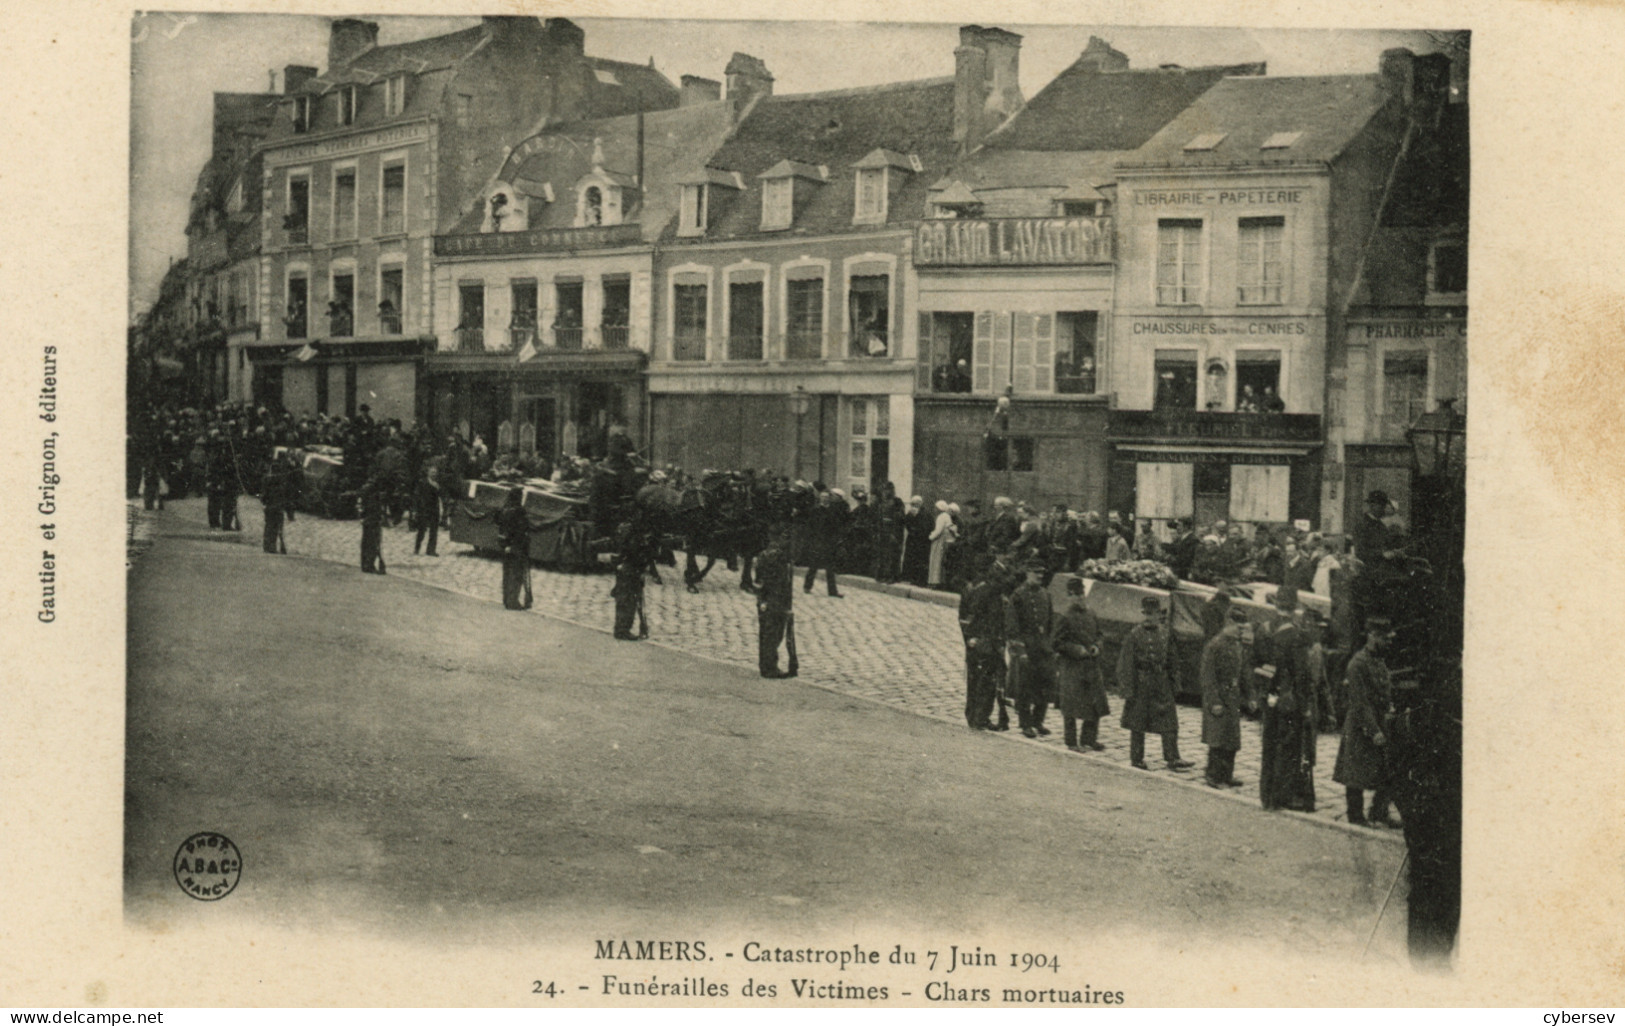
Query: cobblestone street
column 900, row 652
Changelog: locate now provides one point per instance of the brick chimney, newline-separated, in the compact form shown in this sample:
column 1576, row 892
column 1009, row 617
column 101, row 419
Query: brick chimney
column 294, row 76
column 699, row 90
column 1100, row 55
column 987, row 87
column 566, row 35
column 348, row 39
column 1395, row 67
column 747, row 79
column 1422, row 84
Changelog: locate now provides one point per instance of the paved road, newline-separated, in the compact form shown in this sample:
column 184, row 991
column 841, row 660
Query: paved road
column 904, row 653
column 504, row 778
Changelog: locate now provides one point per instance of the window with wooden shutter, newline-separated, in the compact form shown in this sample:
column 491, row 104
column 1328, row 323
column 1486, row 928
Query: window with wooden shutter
column 1021, row 351
column 1043, row 353
column 1259, row 494
column 982, row 352
column 1001, row 351
column 922, row 366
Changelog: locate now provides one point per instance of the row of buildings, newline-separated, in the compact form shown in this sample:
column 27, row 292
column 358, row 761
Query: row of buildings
column 1204, row 291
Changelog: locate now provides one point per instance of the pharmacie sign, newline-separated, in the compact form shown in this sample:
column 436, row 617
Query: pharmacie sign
column 1014, row 241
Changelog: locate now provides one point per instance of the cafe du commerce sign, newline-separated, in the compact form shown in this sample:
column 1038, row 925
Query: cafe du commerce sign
column 1013, row 241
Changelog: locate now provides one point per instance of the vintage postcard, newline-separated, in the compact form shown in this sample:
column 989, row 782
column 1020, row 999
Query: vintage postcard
column 672, row 507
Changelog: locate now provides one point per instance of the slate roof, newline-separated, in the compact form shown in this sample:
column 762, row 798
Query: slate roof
column 675, row 144
column 837, row 129
column 1330, row 110
column 435, row 53
column 1087, row 109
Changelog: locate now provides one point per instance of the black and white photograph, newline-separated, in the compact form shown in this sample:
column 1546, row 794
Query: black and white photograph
column 645, row 511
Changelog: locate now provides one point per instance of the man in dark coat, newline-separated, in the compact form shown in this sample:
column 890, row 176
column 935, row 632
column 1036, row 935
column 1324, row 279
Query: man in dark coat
column 1221, row 701
column 631, row 564
column 513, row 529
column 1371, row 536
column 981, row 622
column 826, row 529
column 1082, row 693
column 918, row 523
column 1145, row 676
column 426, row 505
column 1181, row 552
column 1286, row 779
column 1027, row 629
column 1362, row 759
column 858, row 554
column 774, row 592
column 373, row 511
column 888, row 534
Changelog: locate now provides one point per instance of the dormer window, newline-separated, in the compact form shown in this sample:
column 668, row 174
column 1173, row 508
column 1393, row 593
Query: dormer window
column 349, row 104
column 1205, row 142
column 1447, row 270
column 778, row 202
column 301, row 114
column 603, row 199
column 871, row 204
column 394, row 95
column 956, row 201
column 1081, row 208
column 1280, row 141
column 592, row 206
column 782, row 184
column 1080, row 199
column 506, row 210
column 691, row 216
column 700, row 196
column 874, row 183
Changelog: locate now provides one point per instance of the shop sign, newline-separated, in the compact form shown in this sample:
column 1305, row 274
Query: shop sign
column 1216, row 426
column 1218, row 197
column 1256, row 459
column 540, row 240
column 1413, row 329
column 1018, row 241
column 349, row 144
column 1179, row 326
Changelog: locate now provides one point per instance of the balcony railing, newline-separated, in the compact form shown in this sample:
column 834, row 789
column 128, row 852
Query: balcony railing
column 389, row 321
column 521, row 335
column 340, row 324
column 566, row 337
column 804, row 345
column 616, row 336
column 688, row 347
column 471, row 340
column 745, row 347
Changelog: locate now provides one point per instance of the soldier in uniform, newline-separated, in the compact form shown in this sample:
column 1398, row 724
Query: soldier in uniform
column 1145, row 676
column 1221, row 701
column 1362, row 759
column 1028, row 629
column 373, row 510
column 1076, row 641
column 774, row 592
column 278, row 492
column 981, row 621
column 631, row 565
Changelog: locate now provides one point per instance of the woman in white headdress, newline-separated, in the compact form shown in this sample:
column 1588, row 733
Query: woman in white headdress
column 942, row 536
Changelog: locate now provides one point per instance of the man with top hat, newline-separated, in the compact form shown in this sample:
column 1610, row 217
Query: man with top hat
column 1145, row 676
column 1221, row 700
column 1027, row 628
column 1286, row 779
column 1079, row 687
column 1371, row 536
column 1362, row 758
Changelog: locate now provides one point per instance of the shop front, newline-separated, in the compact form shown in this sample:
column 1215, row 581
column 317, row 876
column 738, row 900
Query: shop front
column 1257, row 470
column 550, row 405
column 337, row 378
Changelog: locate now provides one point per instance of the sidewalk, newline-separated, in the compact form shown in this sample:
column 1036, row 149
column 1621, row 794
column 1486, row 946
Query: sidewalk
column 895, row 645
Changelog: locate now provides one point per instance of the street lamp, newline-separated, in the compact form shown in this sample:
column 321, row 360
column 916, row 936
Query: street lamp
column 1438, row 442
column 800, row 403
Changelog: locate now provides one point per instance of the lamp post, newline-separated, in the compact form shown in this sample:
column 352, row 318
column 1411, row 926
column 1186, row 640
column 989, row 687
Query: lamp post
column 1425, row 751
column 800, row 403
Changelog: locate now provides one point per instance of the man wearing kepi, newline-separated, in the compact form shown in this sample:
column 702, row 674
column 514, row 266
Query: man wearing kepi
column 981, row 621
column 1144, row 674
column 1362, row 758
column 1027, row 629
column 773, row 596
column 1076, row 640
column 1221, row 701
